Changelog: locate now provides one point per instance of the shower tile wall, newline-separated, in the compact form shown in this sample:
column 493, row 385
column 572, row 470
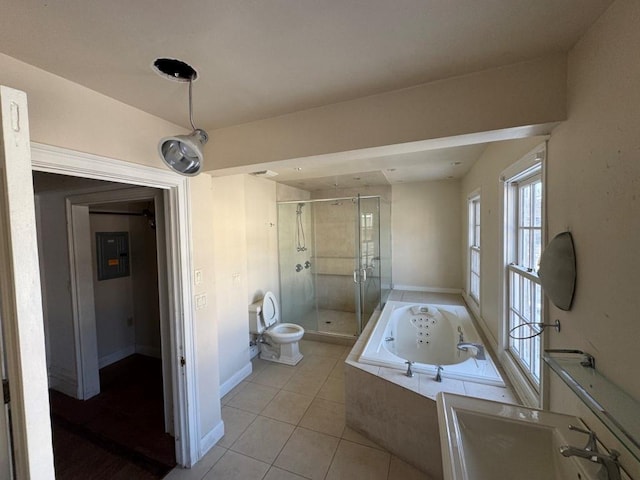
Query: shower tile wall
column 335, row 250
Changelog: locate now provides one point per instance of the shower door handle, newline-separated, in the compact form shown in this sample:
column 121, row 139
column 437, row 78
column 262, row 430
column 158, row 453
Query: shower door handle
column 355, row 276
column 364, row 274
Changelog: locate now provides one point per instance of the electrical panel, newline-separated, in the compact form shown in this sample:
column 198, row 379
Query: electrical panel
column 112, row 252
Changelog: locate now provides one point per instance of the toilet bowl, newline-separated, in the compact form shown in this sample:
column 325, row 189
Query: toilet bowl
column 279, row 340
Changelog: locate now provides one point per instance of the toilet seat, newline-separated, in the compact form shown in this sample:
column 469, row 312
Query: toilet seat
column 285, row 332
column 270, row 310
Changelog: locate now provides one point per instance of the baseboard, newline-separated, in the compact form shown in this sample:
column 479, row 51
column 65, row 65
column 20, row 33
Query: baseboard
column 235, row 379
column 149, row 351
column 210, row 439
column 416, row 288
column 116, row 356
column 62, row 383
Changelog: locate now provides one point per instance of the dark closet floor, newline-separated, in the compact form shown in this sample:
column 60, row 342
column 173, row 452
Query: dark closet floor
column 118, row 433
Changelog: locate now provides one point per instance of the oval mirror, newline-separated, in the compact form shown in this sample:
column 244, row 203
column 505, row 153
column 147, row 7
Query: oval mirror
column 557, row 270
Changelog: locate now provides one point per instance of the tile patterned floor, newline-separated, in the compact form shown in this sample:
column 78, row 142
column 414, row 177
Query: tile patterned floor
column 288, row 423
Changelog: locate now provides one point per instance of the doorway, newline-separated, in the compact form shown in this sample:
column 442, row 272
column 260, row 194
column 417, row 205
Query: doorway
column 110, row 368
column 174, row 195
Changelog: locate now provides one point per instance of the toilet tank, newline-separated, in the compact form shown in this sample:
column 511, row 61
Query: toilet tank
column 255, row 324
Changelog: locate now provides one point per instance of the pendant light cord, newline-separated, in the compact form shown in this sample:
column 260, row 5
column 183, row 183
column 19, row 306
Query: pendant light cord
column 190, row 103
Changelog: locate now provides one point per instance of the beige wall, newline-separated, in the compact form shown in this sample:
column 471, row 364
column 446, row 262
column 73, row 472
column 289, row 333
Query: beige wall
column 484, row 176
column 517, row 95
column 262, row 237
column 425, row 223
column 53, row 251
column 285, row 193
column 144, row 271
column 113, row 299
column 593, row 191
column 229, row 235
column 65, row 114
column 206, row 319
column 593, row 174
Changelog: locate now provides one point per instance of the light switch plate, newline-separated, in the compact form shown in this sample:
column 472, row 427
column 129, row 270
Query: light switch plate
column 201, row 301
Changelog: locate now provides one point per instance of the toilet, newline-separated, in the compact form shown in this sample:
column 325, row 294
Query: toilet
column 280, row 340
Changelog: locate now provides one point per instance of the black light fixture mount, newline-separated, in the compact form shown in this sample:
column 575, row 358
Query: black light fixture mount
column 182, row 153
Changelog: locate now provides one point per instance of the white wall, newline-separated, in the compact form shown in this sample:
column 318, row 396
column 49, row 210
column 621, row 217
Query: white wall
column 425, row 223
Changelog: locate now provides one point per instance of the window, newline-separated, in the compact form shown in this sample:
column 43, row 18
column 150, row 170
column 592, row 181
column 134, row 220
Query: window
column 524, row 245
column 367, row 241
column 474, row 248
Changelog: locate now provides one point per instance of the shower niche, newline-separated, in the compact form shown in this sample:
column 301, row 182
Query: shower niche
column 335, row 262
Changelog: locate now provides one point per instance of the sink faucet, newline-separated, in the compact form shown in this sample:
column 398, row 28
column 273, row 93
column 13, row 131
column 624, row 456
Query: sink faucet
column 608, row 461
column 592, row 443
column 478, row 347
column 439, row 374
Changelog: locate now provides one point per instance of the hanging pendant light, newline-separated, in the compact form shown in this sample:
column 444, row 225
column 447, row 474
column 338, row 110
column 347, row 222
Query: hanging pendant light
column 182, row 153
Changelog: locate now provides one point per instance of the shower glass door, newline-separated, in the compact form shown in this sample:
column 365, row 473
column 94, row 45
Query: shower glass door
column 332, row 262
column 368, row 289
column 295, row 250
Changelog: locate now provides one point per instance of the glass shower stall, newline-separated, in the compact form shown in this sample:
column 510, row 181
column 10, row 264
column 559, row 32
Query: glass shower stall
column 335, row 262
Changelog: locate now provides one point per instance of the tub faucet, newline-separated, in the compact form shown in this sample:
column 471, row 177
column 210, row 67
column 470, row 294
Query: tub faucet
column 439, row 374
column 478, row 347
column 409, row 372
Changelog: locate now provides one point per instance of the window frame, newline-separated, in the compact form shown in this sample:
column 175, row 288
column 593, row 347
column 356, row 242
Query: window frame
column 520, row 348
column 474, row 205
column 526, row 169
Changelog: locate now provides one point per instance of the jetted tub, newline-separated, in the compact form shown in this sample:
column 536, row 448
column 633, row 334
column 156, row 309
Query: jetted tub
column 428, row 335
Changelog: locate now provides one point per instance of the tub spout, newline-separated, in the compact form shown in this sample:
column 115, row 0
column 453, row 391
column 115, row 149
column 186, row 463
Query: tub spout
column 477, row 349
column 409, row 372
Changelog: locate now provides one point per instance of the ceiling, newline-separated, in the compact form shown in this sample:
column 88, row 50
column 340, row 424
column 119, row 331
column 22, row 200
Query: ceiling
column 262, row 59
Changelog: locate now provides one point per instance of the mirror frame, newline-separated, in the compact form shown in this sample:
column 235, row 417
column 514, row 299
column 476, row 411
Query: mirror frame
column 557, row 271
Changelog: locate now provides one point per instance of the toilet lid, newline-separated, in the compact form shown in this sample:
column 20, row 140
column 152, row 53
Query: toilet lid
column 270, row 314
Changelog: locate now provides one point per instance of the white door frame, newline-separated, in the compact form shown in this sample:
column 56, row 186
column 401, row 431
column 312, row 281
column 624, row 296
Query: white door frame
column 51, row 159
column 22, row 324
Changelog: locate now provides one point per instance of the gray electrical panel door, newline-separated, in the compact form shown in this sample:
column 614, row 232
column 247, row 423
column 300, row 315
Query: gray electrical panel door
column 112, row 252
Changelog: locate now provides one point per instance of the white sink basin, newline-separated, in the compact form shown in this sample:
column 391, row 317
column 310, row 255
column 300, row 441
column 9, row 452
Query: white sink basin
column 484, row 440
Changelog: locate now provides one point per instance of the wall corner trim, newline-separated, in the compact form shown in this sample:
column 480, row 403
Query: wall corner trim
column 235, row 379
column 210, row 439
